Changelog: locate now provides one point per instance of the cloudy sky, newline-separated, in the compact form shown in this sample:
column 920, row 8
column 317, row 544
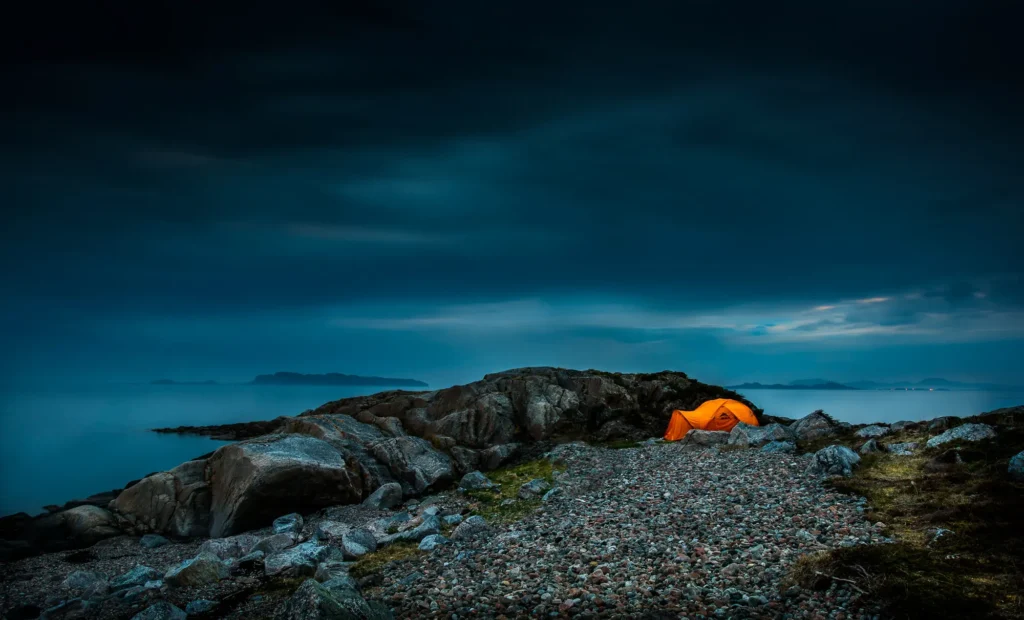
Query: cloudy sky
column 741, row 190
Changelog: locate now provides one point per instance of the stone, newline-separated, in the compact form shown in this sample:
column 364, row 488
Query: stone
column 477, row 481
column 275, row 543
column 83, row 579
column 902, row 449
column 903, row 425
column 75, row 609
column 748, row 436
column 964, row 432
column 700, row 437
column 161, row 611
column 299, row 561
column 429, row 525
column 230, row 547
column 465, row 459
column 470, row 528
column 452, row 519
column 249, row 561
column 835, row 461
column 943, row 423
column 173, row 502
column 552, row 494
column 781, row 447
column 357, row 543
column 496, row 456
column 329, row 601
column 871, row 446
column 330, row 570
column 203, row 569
column 200, row 606
column 152, row 541
column 387, row 495
column 873, row 431
column 814, row 426
column 330, row 530
column 81, row 526
column 1016, row 466
column 414, row 463
column 289, row 523
column 137, row 576
column 429, row 543
column 534, row 489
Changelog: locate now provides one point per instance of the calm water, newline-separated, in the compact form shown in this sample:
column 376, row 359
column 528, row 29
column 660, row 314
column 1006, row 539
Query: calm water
column 863, row 406
column 57, row 445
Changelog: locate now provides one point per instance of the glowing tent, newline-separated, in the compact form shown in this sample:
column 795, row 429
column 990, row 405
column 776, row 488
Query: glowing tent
column 715, row 415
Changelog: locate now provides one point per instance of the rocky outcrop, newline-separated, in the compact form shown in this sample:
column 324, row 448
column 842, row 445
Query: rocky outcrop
column 174, row 502
column 814, row 426
column 964, row 432
column 872, row 432
column 414, row 463
column 835, row 461
column 387, row 495
column 747, row 436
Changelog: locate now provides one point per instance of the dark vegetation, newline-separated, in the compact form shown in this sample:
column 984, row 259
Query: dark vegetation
column 229, row 432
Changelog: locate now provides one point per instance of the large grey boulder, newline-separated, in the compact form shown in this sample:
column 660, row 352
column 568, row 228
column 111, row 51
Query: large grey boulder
column 254, row 480
column 275, row 543
column 299, row 561
column 414, row 463
column 288, row 523
column 327, row 531
column 464, row 459
column 835, row 461
column 814, row 426
column 476, row 481
column 871, row 446
column 161, row 611
column 201, row 570
column 902, row 449
column 470, row 528
column 964, row 432
column 1016, row 466
column 231, row 546
column 387, row 495
column 329, row 601
column 541, row 404
column 172, row 502
column 943, row 423
column 903, row 425
column 82, row 526
column 357, row 543
column 485, row 422
column 698, row 437
column 747, row 436
column 873, row 431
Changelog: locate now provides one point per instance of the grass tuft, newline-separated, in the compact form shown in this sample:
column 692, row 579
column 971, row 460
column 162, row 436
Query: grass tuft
column 374, row 562
column 488, row 504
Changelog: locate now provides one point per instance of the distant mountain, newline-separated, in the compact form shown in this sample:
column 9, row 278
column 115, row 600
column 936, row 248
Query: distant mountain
column 173, row 382
column 795, row 385
column 932, row 383
column 332, row 378
column 800, row 382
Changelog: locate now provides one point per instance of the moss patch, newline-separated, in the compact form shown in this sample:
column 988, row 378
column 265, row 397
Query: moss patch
column 977, row 570
column 488, row 504
column 374, row 562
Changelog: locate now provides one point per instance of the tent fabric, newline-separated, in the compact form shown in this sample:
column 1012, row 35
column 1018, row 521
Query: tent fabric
column 714, row 415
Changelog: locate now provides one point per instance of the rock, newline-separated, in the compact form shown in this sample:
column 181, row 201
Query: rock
column 357, row 543
column 152, row 541
column 476, row 481
column 964, row 432
column 137, row 576
column 814, row 426
column 534, row 489
column 248, row 562
column 230, row 547
column 299, row 561
column 414, row 463
column 275, row 543
column 253, row 480
column 160, row 611
column 464, row 459
column 429, row 525
column 902, row 449
column 330, row 530
column 83, row 579
column 81, row 526
column 943, row 423
column 552, row 494
column 1016, row 467
column 199, row 607
column 470, row 528
column 387, row 495
column 496, row 456
column 67, row 610
column 947, row 461
column 175, row 502
column 429, row 543
column 331, row 570
column 430, row 511
column 289, row 523
column 203, row 569
column 835, row 461
column 328, row 601
column 903, row 425
column 747, row 436
column 873, row 431
column 783, row 447
column 700, row 437
column 871, row 446
column 452, row 519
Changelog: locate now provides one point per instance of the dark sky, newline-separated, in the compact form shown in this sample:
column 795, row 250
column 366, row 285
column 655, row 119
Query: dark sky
column 737, row 189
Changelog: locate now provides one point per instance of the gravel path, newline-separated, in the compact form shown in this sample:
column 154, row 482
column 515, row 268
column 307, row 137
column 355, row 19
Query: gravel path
column 651, row 532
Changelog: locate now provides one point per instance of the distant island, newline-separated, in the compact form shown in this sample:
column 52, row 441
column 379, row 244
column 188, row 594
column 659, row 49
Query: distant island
column 796, row 385
column 332, row 378
column 173, row 382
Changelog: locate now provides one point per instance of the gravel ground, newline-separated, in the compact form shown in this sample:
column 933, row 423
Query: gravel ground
column 651, row 532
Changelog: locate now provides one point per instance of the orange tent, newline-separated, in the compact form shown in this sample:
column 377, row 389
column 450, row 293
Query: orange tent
column 715, row 415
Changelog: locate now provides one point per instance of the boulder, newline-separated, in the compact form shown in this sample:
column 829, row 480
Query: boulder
column 543, row 405
column 275, row 543
column 334, row 570
column 943, row 423
column 1016, row 466
column 289, row 523
column 814, row 426
column 414, row 463
column 81, row 526
column 327, row 531
column 485, row 422
column 945, row 462
column 429, row 543
column 357, row 543
column 173, row 502
column 329, row 601
column 199, row 607
column 464, row 459
column 387, row 495
column 429, row 525
column 137, row 576
column 452, row 519
column 964, row 432
column 871, row 446
column 252, row 481
column 902, row 449
column 496, row 456
column 152, row 541
column 873, row 431
column 299, row 561
column 80, row 580
column 470, row 528
column 534, row 489
column 747, row 436
column 700, row 437
column 782, row 447
column 230, row 547
column 903, row 425
column 203, row 569
column 835, row 461
column 476, row 481
column 384, row 527
column 161, row 611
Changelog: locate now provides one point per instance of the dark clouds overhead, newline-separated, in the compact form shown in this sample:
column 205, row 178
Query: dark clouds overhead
column 722, row 167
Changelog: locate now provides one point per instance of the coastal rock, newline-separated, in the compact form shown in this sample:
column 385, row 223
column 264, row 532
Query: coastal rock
column 199, row 607
column 175, row 502
column 73, row 609
column 964, row 432
column 81, row 526
column 203, row 569
column 943, row 423
column 541, row 404
column 476, row 481
column 470, row 528
column 253, row 480
column 387, row 495
column 814, row 426
column 275, row 543
column 80, row 580
column 781, row 447
column 329, row 601
column 747, row 436
column 289, row 523
column 464, row 459
column 327, row 531
column 152, row 541
column 429, row 525
column 534, row 489
column 835, row 461
column 487, row 421
column 414, row 463
column 298, row 561
column 902, row 449
column 429, row 543
column 357, row 543
column 161, row 611
column 871, row 446
column 496, row 456
column 333, row 570
column 137, row 576
column 873, row 431
column 903, row 425
column 1016, row 466
column 452, row 519
column 700, row 437
column 230, row 547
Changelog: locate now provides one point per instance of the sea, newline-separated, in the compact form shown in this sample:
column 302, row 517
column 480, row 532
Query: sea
column 58, row 444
